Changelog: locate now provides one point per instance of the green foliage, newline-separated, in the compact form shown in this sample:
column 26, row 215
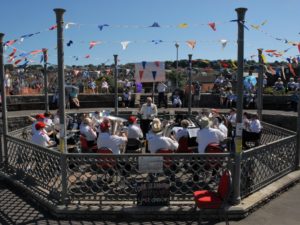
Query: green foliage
column 179, row 77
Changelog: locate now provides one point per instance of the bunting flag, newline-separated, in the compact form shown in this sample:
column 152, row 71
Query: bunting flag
column 102, row 26
column 264, row 22
column 87, row 56
column 292, row 69
column 76, row 58
column 299, row 47
column 212, row 26
column 27, row 36
column 53, row 27
column 141, row 73
column 144, row 64
column 24, row 54
column 283, row 73
column 18, row 61
column 157, row 41
column 270, row 51
column 155, row 24
column 183, row 25
column 157, row 63
column 125, row 44
column 288, row 59
column 9, row 43
column 67, row 26
column 12, row 58
column 263, row 57
column 224, row 43
column 233, row 64
column 13, row 52
column 69, row 43
column 154, row 74
column 93, row 44
column 256, row 27
column 36, row 52
column 191, row 43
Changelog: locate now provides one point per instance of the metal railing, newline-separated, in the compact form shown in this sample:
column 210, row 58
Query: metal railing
column 96, row 179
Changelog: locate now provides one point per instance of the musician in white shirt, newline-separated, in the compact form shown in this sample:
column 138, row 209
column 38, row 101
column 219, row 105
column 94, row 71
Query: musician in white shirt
column 134, row 131
column 40, row 137
column 88, row 132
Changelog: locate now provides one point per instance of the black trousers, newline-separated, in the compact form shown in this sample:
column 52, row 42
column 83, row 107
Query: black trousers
column 145, row 126
column 161, row 97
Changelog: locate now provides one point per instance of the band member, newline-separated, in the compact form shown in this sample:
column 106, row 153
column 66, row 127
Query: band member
column 148, row 113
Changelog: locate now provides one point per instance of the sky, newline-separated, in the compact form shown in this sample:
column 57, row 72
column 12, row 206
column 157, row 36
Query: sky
column 129, row 20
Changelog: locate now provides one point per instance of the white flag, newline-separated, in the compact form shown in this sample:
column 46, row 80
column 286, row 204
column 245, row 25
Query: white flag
column 125, row 44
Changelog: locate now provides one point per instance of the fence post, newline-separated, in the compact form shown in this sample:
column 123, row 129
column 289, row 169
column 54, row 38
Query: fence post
column 239, row 125
column 4, row 107
column 116, row 85
column 64, row 184
column 260, row 85
column 45, row 56
column 190, row 85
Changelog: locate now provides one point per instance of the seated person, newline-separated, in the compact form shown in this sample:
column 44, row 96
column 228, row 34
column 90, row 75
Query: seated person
column 291, row 85
column 156, row 141
column 40, row 137
column 134, row 131
column 176, row 101
column 88, row 132
column 207, row 135
column 111, row 141
column 182, row 132
column 279, row 86
column 254, row 132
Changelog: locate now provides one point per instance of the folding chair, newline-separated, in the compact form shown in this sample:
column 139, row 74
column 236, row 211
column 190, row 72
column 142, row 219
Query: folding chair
column 206, row 199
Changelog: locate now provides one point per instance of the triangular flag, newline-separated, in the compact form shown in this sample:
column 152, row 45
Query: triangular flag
column 53, row 27
column 12, row 58
column 24, row 54
column 282, row 72
column 191, row 44
column 263, row 57
column 157, row 63
column 156, row 41
column 102, row 26
column 141, row 73
column 212, row 26
column 9, row 43
column 18, row 61
column 36, row 52
column 224, row 43
column 93, row 43
column 233, row 64
column 256, row 27
column 183, row 25
column 13, row 52
column 87, row 56
column 154, row 74
column 155, row 24
column 125, row 44
column 292, row 70
column 144, row 64
column 271, row 51
column 69, row 24
column 263, row 23
column 69, row 43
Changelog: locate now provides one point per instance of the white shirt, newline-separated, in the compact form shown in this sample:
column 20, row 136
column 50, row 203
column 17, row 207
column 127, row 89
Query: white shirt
column 232, row 119
column 255, row 126
column 134, row 132
column 223, row 129
column 181, row 133
column 161, row 87
column 88, row 132
column 49, row 123
column 40, row 138
column 208, row 135
column 148, row 112
column 110, row 141
column 156, row 142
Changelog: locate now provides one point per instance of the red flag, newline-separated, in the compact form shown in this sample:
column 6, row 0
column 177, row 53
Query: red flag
column 157, row 63
column 87, row 56
column 141, row 72
column 19, row 60
column 292, row 70
column 36, row 52
column 212, row 26
column 271, row 51
column 12, row 58
column 93, row 43
column 53, row 27
column 11, row 42
column 13, row 52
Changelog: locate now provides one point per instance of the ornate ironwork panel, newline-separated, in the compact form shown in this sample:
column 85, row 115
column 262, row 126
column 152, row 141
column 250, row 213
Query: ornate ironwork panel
column 93, row 178
column 272, row 133
column 34, row 166
column 262, row 165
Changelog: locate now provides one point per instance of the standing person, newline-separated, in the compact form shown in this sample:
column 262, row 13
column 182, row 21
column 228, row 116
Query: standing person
column 148, row 112
column 161, row 88
column 104, row 86
column 187, row 90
